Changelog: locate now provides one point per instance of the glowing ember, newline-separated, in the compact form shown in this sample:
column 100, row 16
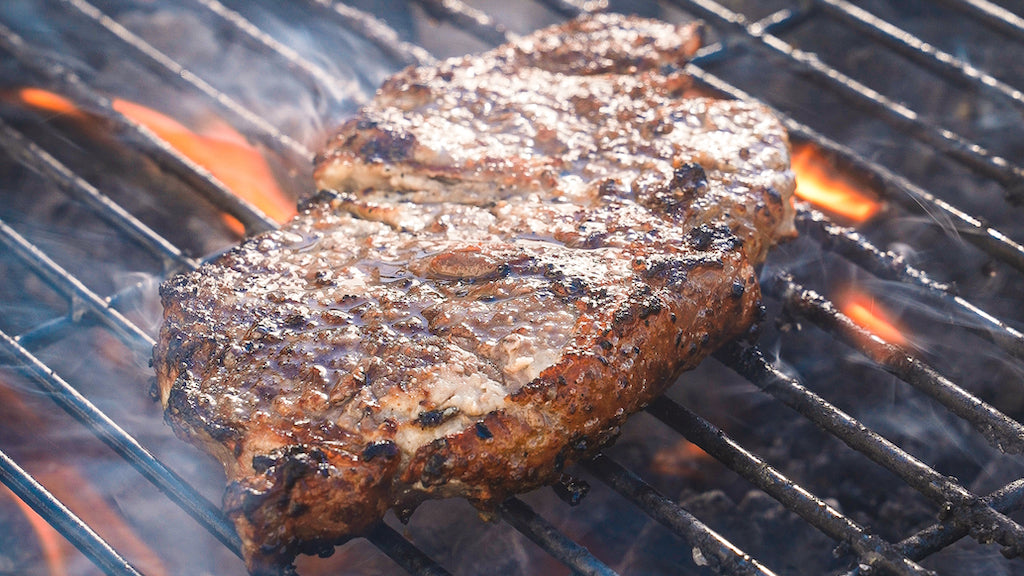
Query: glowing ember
column 818, row 184
column 218, row 148
column 867, row 314
column 680, row 459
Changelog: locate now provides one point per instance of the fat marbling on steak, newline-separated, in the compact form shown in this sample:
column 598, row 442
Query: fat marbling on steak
column 519, row 249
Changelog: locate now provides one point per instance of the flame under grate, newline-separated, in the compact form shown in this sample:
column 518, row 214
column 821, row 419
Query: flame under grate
column 986, row 518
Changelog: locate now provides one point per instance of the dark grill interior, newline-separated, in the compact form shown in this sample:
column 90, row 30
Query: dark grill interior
column 822, row 459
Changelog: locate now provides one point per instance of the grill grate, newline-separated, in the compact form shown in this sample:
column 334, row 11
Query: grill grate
column 983, row 517
column 891, row 111
column 566, row 550
column 711, row 548
column 68, row 83
column 924, row 54
column 966, row 507
column 939, row 535
column 69, row 525
column 759, row 473
column 174, row 73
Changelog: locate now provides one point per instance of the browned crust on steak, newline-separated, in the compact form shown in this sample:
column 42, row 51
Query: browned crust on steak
column 602, row 44
column 613, row 369
column 304, row 476
column 482, row 128
column 466, row 318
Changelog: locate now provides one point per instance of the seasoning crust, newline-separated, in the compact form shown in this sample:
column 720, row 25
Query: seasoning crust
column 512, row 253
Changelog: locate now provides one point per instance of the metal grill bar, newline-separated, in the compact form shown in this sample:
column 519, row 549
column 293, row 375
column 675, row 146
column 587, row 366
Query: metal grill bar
column 174, row 72
column 999, row 429
column 80, row 408
column 891, row 186
column 467, row 18
column 542, row 533
column 871, row 549
column 51, row 330
column 992, row 15
column 710, row 549
column 376, row 31
column 915, row 199
column 940, row 535
column 403, row 552
column 267, row 44
column 782, row 20
column 849, row 244
column 857, row 249
column 953, row 145
column 81, row 297
column 145, row 140
column 919, row 51
column 67, row 523
column 987, row 524
column 1007, row 499
column 574, row 9
column 34, row 157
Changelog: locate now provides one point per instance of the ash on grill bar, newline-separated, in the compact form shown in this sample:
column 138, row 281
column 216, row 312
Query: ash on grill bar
column 874, row 427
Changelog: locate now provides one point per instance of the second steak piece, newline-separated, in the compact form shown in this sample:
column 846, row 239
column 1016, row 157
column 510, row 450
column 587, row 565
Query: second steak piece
column 594, row 108
column 523, row 248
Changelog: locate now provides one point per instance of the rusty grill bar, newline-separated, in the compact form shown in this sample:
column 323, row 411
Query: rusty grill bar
column 983, row 517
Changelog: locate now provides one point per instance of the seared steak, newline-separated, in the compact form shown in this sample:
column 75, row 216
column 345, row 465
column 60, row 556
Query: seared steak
column 521, row 249
column 575, row 113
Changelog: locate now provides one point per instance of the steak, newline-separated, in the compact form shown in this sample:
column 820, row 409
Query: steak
column 511, row 253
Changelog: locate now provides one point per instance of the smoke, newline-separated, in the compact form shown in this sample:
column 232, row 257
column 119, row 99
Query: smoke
column 117, row 379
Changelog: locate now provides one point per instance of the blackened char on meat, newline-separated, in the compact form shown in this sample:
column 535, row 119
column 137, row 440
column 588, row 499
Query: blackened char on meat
column 519, row 250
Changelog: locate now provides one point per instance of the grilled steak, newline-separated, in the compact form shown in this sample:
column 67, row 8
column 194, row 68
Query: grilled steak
column 520, row 249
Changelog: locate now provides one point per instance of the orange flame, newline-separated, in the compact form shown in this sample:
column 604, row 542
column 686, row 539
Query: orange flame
column 53, row 546
column 866, row 313
column 50, row 541
column 72, row 488
column 817, row 183
column 218, row 148
column 69, row 485
column 49, row 102
column 225, row 153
